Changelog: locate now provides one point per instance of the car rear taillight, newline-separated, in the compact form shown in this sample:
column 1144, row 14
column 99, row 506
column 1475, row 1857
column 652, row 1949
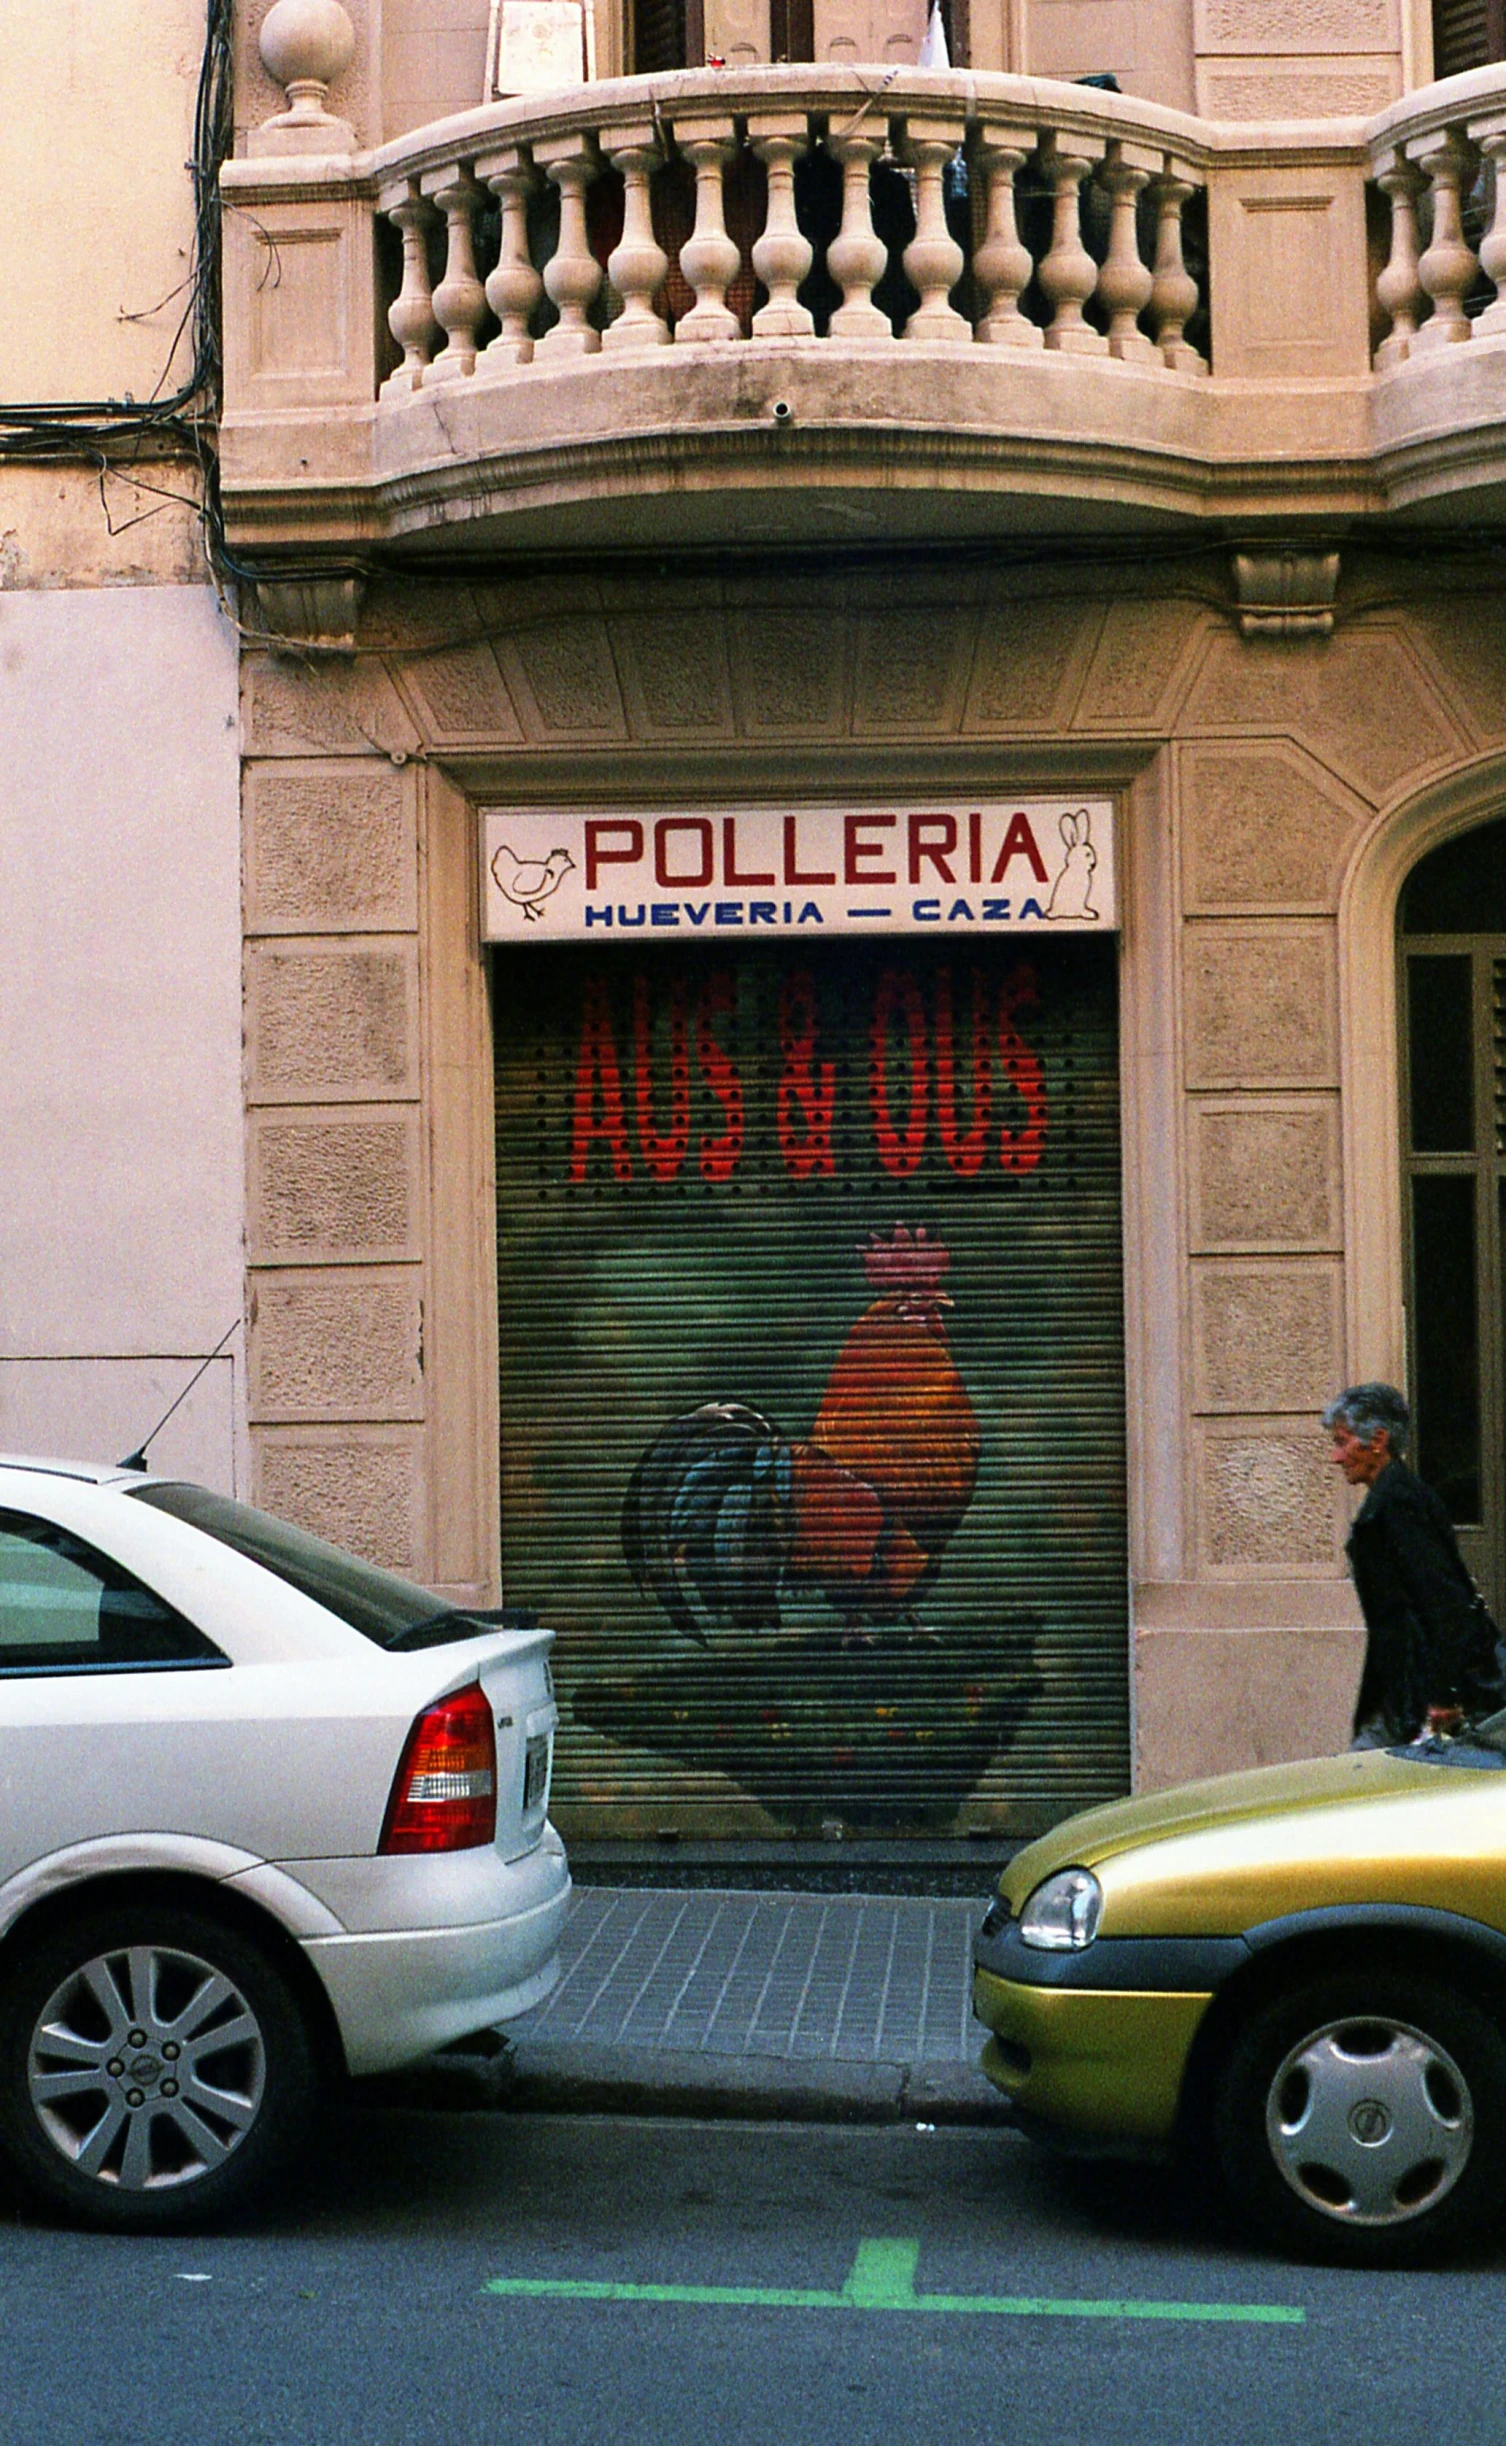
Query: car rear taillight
column 444, row 1795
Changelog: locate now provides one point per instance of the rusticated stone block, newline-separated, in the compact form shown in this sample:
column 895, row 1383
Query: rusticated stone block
column 912, row 669
column 408, row 615
column 1268, row 1500
column 789, row 672
column 562, row 676
column 1465, row 635
column 674, row 673
column 333, row 1184
column 326, row 1025
column 1136, row 672
column 1265, row 1337
column 362, row 1491
column 1030, row 663
column 329, row 847
column 1318, row 89
column 1266, row 28
column 327, row 708
column 1261, row 1005
column 1359, row 700
column 527, row 597
column 462, row 698
column 1265, row 1175
column 1263, row 827
column 337, row 1344
column 1213, row 1702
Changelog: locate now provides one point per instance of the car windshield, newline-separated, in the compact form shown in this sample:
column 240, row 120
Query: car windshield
column 395, row 1613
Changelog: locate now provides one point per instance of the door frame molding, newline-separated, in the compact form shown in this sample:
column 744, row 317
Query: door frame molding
column 1370, row 1054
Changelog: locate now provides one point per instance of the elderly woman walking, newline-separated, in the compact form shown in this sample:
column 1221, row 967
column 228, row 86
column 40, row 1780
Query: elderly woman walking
column 1433, row 1658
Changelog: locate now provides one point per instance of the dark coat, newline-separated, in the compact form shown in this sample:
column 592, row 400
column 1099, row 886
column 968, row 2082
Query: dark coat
column 1431, row 1642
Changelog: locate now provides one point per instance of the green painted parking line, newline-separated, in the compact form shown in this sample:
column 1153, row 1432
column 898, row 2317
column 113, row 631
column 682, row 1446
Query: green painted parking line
column 883, row 2278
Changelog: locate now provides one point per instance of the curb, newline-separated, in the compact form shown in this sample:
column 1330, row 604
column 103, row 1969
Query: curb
column 576, row 2078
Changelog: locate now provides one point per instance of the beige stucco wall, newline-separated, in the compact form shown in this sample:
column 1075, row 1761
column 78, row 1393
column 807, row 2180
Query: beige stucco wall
column 96, row 123
column 121, row 1192
column 121, row 1199
column 1253, row 776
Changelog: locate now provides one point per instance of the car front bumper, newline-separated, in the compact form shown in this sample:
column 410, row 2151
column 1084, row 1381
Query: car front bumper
column 1092, row 2045
column 1103, row 2063
column 399, row 1993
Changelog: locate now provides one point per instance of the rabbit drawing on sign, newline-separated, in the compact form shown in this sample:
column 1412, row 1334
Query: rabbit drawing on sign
column 1072, row 892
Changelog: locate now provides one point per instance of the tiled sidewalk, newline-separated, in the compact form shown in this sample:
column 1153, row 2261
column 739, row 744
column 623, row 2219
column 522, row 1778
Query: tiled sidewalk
column 853, row 1978
column 769, row 2004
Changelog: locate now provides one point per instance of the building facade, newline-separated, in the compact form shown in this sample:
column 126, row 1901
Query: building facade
column 122, row 1203
column 873, row 910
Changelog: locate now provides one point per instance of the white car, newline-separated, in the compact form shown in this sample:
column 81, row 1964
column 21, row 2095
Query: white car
column 267, row 1815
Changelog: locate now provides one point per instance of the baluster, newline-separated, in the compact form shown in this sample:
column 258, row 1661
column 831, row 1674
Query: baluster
column 1125, row 283
column 410, row 317
column 637, row 266
column 514, row 289
column 572, row 275
column 1068, row 273
column 782, row 255
column 459, row 301
column 1490, row 137
column 933, row 259
column 1002, row 265
column 709, row 259
column 1397, row 287
column 1448, row 267
column 1173, row 291
column 857, row 256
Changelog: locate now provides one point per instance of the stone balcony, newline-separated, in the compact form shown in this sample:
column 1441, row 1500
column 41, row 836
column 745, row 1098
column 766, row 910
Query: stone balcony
column 807, row 304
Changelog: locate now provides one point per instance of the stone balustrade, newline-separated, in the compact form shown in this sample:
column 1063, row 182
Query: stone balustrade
column 801, row 207
column 1438, row 158
column 912, row 303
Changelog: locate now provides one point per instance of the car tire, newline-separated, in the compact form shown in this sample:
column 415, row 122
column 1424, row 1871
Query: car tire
column 1361, row 2118
column 157, row 2071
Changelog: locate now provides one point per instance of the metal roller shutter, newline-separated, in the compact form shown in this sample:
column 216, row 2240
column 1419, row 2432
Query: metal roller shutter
column 812, row 1380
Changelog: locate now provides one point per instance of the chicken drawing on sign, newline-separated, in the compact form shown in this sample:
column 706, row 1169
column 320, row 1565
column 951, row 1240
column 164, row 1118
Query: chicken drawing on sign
column 527, row 881
column 724, row 1512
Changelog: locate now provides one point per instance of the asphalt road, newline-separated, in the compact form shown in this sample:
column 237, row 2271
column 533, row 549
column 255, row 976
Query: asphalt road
column 368, row 2311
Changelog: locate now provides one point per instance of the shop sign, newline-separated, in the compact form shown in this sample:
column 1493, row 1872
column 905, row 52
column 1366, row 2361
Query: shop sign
column 992, row 866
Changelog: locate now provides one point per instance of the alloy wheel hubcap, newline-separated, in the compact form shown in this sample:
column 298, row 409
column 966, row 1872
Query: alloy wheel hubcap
column 1370, row 2121
column 146, row 2068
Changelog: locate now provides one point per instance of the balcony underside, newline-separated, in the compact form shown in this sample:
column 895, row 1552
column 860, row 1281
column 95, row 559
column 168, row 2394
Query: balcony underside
column 685, row 447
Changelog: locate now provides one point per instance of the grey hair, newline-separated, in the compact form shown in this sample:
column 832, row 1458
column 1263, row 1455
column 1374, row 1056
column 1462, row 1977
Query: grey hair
column 1366, row 1408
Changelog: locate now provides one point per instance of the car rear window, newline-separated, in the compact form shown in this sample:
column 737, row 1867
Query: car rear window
column 376, row 1603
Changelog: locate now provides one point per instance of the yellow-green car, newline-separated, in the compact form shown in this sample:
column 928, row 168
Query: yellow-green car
column 1304, row 1966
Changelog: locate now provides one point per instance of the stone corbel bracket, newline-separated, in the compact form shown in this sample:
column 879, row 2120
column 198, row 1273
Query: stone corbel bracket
column 310, row 615
column 1286, row 593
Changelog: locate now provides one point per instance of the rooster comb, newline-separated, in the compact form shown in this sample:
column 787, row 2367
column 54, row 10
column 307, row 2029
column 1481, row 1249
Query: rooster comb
column 907, row 1261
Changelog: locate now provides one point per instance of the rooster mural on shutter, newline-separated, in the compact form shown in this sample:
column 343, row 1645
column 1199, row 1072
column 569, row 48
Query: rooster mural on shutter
column 812, row 1379
column 723, row 1509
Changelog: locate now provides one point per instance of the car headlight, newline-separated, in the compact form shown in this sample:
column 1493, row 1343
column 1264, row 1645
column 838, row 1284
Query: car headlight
column 1063, row 1914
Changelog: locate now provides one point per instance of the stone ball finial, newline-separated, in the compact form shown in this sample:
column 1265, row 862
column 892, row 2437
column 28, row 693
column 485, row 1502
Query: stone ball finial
column 306, row 45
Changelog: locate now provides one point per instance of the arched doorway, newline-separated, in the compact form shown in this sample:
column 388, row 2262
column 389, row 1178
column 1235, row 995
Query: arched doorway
column 1452, row 949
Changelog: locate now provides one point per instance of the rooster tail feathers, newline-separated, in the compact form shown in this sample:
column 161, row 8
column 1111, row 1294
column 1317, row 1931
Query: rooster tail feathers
column 707, row 1520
